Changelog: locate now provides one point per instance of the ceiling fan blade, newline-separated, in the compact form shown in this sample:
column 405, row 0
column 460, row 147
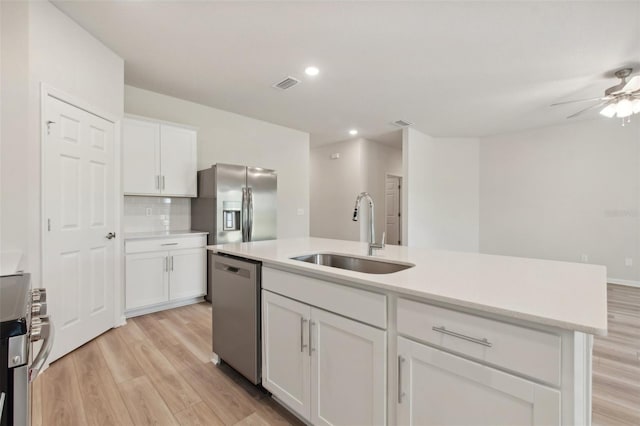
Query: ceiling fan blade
column 599, row 104
column 599, row 98
column 632, row 85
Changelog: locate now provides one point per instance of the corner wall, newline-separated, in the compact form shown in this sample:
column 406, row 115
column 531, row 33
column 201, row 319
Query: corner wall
column 225, row 137
column 50, row 48
column 440, row 192
column 335, row 184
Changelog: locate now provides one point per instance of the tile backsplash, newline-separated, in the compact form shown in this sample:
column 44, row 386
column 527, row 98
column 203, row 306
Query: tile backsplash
column 152, row 214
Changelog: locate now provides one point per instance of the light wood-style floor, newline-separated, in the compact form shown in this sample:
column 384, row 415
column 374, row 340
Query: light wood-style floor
column 156, row 370
column 616, row 361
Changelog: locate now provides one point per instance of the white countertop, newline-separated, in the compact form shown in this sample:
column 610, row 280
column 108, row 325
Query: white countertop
column 161, row 234
column 561, row 294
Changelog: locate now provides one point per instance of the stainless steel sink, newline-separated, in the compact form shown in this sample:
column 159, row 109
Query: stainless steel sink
column 358, row 264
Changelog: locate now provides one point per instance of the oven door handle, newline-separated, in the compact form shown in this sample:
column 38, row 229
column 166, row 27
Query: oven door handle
column 47, row 334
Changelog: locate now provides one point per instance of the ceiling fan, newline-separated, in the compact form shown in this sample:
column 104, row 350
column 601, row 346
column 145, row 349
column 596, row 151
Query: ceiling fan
column 621, row 100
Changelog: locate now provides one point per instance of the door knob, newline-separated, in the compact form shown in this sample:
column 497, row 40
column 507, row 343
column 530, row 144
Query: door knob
column 111, row 235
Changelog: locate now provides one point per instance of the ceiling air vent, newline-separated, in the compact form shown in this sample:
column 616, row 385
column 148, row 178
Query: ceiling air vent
column 287, row 83
column 402, row 123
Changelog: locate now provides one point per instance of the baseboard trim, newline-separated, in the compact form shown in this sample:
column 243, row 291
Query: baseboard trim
column 163, row 306
column 630, row 283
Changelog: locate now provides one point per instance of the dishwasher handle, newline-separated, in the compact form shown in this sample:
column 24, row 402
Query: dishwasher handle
column 231, row 269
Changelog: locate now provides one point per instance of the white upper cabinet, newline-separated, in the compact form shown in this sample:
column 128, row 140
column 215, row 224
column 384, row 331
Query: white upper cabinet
column 141, row 157
column 158, row 158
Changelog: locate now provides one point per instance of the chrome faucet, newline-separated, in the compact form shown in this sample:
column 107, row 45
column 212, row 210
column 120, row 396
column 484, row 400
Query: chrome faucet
column 372, row 232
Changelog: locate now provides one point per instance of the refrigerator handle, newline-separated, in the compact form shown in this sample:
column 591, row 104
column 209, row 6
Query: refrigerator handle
column 244, row 214
column 250, row 214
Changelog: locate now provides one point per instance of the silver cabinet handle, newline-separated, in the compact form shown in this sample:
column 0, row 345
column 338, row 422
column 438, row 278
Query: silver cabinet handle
column 400, row 393
column 169, row 244
column 171, row 263
column 157, row 181
column 162, row 181
column 166, row 263
column 311, row 349
column 443, row 330
column 302, row 322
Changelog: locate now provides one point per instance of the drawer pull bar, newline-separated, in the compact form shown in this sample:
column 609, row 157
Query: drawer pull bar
column 400, row 393
column 483, row 342
column 169, row 244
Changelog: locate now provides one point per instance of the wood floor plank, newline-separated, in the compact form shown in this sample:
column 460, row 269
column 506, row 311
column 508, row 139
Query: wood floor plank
column 62, row 403
column 173, row 388
column 189, row 339
column 154, row 331
column 130, row 332
column 215, row 390
column 180, row 356
column 144, row 403
column 36, row 404
column 119, row 358
column 101, row 398
column 198, row 415
column 253, row 420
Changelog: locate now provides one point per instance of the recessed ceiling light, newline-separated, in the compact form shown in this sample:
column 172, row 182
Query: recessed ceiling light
column 353, row 132
column 311, row 71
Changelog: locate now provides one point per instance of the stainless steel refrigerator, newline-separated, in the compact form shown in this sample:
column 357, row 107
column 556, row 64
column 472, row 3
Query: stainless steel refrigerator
column 235, row 204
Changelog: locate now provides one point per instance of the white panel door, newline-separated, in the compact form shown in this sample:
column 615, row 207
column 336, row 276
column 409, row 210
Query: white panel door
column 80, row 209
column 140, row 157
column 187, row 277
column 178, row 161
column 437, row 388
column 392, row 209
column 285, row 353
column 348, row 371
column 147, row 279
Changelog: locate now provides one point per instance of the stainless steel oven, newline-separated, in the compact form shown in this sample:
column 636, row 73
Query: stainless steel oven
column 22, row 322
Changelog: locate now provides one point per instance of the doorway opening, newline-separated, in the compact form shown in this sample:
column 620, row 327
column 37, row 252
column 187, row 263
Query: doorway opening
column 393, row 208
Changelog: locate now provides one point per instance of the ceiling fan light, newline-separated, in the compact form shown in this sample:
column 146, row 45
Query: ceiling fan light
column 624, row 108
column 609, row 111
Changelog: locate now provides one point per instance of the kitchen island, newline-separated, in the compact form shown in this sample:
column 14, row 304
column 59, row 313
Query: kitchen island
column 459, row 338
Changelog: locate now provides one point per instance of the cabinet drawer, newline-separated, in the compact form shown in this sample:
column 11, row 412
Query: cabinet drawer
column 140, row 246
column 533, row 353
column 362, row 305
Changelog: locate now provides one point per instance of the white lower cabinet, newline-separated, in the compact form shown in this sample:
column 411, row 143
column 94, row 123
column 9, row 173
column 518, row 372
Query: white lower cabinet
column 154, row 278
column 438, row 388
column 329, row 369
column 147, row 279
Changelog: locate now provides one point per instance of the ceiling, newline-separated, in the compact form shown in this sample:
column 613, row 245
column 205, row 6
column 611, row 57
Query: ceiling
column 452, row 68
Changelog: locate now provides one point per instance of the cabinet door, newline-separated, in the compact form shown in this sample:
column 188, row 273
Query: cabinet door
column 147, row 279
column 140, row 157
column 178, row 161
column 437, row 388
column 187, row 273
column 285, row 351
column 348, row 371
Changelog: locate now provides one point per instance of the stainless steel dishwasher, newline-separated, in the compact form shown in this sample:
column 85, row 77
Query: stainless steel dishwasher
column 236, row 314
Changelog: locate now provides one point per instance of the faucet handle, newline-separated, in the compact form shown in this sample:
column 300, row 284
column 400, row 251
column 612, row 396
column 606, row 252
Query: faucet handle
column 384, row 237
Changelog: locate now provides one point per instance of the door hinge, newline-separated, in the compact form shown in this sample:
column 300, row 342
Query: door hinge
column 49, row 225
column 49, row 123
column 398, row 186
column 398, row 214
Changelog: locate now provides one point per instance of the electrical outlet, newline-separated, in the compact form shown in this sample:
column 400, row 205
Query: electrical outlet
column 149, row 211
column 584, row 258
column 300, row 212
column 628, row 261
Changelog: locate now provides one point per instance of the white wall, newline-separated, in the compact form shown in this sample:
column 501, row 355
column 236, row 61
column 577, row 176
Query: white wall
column 564, row 191
column 64, row 56
column 224, row 137
column 14, row 81
column 335, row 184
column 441, row 191
column 334, row 187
